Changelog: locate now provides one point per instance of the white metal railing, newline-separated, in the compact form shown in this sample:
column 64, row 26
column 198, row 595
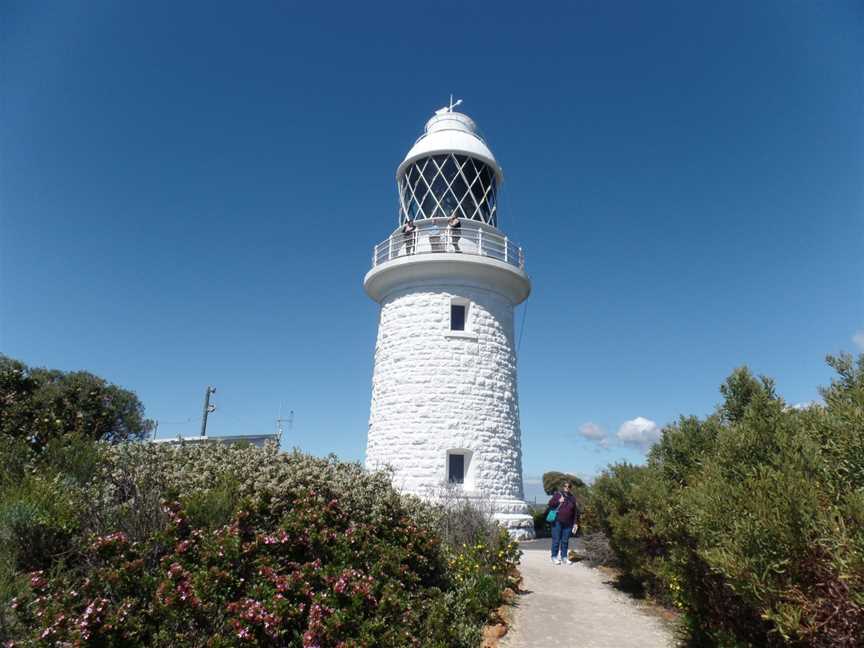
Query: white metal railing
column 431, row 237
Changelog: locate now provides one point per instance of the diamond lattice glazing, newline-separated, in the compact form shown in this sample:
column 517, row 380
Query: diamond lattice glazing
column 442, row 185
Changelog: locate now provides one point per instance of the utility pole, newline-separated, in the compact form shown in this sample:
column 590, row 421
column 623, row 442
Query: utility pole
column 208, row 408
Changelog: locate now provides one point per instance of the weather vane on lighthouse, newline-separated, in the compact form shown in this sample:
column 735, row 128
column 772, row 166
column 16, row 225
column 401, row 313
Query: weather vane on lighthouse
column 448, row 109
column 445, row 409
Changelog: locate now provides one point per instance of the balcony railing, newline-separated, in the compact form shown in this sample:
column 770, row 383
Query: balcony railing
column 432, row 238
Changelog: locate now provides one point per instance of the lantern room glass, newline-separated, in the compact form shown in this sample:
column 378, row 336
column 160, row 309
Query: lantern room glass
column 441, row 186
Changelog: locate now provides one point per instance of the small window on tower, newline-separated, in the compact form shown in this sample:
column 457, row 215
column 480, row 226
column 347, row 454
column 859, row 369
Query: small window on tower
column 457, row 317
column 456, row 469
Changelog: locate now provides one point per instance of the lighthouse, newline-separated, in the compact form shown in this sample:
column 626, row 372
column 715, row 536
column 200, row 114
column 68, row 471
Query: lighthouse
column 445, row 410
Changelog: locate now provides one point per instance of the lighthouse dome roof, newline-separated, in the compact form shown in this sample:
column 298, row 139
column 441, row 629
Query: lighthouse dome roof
column 451, row 132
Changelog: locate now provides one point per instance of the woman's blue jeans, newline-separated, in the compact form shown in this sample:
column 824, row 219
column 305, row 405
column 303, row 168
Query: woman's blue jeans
column 560, row 539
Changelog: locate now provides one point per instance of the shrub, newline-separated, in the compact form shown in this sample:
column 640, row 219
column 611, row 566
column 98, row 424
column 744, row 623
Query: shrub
column 461, row 520
column 597, row 549
column 38, row 522
column 624, row 500
column 542, row 528
column 313, row 552
column 111, row 543
column 751, row 520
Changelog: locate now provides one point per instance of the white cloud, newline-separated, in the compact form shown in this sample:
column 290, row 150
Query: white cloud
column 592, row 431
column 803, row 406
column 858, row 339
column 640, row 431
column 596, row 435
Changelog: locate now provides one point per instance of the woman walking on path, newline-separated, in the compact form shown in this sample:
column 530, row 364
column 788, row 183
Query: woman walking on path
column 566, row 515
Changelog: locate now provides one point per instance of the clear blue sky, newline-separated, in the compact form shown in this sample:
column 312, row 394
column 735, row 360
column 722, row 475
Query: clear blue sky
column 189, row 194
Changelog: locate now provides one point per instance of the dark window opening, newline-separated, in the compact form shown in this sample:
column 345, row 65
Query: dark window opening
column 455, row 181
column 456, row 469
column 457, row 317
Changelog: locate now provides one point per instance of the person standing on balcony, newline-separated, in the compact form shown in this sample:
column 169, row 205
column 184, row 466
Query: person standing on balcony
column 409, row 233
column 567, row 514
column 455, row 226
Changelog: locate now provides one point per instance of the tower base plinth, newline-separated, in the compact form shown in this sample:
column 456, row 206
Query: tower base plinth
column 514, row 515
column 520, row 526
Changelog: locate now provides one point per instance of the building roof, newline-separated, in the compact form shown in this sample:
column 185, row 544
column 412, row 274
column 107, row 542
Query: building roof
column 254, row 439
column 451, row 132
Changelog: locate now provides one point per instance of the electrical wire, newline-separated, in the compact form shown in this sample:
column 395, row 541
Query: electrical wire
column 522, row 328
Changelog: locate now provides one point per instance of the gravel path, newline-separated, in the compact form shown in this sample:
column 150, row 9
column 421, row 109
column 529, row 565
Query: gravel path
column 571, row 605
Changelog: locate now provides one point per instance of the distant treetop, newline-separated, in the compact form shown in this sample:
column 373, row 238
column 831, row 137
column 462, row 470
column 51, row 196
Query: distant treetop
column 554, row 480
column 37, row 405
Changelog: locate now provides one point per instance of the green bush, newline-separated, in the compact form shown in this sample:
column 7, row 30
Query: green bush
column 542, row 528
column 623, row 505
column 751, row 521
column 39, row 521
column 220, row 546
column 214, row 508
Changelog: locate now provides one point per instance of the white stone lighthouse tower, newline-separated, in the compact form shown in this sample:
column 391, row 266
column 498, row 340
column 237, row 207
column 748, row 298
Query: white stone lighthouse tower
column 445, row 409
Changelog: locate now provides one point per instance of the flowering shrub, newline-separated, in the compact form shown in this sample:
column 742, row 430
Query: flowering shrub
column 482, row 558
column 223, row 546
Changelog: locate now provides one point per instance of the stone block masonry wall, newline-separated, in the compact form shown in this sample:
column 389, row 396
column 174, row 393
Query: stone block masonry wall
column 434, row 390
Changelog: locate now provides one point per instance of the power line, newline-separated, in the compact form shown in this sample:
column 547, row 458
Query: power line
column 522, row 328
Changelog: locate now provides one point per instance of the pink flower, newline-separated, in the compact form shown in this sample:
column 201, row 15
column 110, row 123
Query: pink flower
column 36, row 580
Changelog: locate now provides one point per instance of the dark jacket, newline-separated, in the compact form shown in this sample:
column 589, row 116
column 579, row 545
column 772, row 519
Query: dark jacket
column 568, row 509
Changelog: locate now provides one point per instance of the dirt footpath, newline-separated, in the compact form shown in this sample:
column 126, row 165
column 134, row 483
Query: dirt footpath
column 571, row 605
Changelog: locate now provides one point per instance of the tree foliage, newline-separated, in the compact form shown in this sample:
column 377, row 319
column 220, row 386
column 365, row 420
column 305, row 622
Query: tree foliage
column 752, row 519
column 739, row 390
column 554, row 480
column 38, row 405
